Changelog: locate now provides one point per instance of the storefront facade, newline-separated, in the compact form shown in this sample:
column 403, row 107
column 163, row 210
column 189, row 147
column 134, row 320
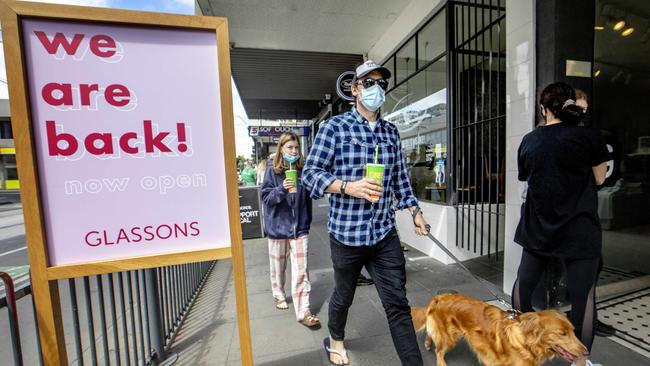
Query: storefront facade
column 447, row 98
column 464, row 105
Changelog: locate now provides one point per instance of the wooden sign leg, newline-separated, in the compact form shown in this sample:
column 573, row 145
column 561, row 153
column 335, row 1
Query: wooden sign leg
column 50, row 325
column 243, row 323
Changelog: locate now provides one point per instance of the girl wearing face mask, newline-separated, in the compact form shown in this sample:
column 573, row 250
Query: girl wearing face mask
column 287, row 210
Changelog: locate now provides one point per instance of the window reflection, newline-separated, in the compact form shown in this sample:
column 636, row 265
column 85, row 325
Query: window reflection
column 418, row 108
column 431, row 40
column 405, row 61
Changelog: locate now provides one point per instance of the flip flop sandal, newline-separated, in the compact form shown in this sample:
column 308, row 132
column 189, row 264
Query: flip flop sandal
column 278, row 304
column 329, row 351
column 310, row 320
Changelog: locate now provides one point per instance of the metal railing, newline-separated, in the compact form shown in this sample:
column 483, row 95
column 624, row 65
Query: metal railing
column 10, row 301
column 125, row 318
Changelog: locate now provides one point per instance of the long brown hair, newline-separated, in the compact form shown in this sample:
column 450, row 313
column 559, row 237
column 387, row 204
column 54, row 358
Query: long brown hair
column 279, row 165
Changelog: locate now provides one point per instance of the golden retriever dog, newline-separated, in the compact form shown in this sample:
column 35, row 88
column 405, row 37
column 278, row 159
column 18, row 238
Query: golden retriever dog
column 528, row 339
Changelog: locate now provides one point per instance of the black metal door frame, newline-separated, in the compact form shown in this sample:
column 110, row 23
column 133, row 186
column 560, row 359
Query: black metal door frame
column 476, row 111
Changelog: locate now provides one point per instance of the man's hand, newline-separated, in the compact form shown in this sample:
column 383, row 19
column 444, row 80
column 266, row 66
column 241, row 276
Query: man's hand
column 421, row 226
column 364, row 188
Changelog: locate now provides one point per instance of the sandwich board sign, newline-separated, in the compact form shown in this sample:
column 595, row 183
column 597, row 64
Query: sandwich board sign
column 123, row 127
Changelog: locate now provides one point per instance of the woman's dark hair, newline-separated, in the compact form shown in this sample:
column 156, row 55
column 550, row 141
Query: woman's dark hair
column 554, row 98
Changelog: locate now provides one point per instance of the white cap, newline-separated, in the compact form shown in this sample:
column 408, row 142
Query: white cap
column 368, row 66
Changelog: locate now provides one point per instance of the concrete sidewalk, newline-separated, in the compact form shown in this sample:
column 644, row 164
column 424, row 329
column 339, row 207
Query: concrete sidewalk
column 209, row 334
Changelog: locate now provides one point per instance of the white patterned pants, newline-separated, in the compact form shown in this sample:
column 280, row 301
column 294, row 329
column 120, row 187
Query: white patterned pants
column 279, row 251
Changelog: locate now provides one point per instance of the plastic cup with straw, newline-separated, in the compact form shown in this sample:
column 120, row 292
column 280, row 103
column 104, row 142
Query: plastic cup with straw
column 293, row 175
column 375, row 171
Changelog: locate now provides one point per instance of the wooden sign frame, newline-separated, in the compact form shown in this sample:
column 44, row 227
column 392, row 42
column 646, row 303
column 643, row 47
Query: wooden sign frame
column 44, row 276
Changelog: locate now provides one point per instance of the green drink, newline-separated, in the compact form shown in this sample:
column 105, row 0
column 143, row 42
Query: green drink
column 375, row 172
column 293, row 175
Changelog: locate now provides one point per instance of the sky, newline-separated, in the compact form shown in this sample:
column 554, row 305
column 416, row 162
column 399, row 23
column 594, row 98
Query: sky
column 166, row 6
column 244, row 143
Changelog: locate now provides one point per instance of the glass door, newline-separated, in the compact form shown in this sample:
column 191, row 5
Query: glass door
column 619, row 109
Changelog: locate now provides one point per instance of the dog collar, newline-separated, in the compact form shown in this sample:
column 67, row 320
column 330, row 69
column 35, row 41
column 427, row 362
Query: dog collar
column 512, row 314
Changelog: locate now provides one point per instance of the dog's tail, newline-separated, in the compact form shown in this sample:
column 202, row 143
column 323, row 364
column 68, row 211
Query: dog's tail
column 419, row 316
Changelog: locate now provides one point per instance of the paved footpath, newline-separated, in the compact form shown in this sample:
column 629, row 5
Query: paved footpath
column 209, row 334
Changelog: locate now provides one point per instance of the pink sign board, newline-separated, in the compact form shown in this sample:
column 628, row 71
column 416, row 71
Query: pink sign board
column 129, row 143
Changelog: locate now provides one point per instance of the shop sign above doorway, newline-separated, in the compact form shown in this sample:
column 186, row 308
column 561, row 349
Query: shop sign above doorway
column 344, row 85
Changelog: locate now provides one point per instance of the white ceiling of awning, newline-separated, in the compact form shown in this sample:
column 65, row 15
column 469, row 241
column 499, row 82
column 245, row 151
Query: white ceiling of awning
column 342, row 26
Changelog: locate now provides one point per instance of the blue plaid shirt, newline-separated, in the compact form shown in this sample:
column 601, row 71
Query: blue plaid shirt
column 343, row 145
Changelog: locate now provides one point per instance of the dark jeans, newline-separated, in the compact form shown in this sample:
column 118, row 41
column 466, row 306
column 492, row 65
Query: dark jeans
column 386, row 265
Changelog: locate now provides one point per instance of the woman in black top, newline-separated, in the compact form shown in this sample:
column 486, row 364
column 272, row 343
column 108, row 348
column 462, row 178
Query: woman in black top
column 562, row 164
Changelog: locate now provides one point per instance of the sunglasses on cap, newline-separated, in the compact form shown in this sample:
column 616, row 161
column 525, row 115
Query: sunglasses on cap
column 369, row 82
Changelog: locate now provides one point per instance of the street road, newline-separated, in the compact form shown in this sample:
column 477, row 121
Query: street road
column 13, row 251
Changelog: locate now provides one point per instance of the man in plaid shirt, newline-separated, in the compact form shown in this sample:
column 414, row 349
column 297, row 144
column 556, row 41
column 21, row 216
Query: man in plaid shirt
column 362, row 230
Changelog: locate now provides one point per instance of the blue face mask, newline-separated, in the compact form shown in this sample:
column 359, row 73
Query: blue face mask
column 373, row 98
column 290, row 158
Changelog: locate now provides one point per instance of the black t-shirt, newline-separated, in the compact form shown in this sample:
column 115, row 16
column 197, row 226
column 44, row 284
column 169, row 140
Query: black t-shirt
column 560, row 214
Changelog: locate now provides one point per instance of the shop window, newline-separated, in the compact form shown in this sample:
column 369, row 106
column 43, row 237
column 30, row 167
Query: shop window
column 618, row 109
column 419, row 110
column 431, row 40
column 395, row 100
column 405, row 61
column 9, row 159
column 12, row 174
column 5, row 130
column 390, row 65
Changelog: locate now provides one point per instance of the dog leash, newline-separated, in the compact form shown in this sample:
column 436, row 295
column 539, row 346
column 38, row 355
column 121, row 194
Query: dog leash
column 512, row 313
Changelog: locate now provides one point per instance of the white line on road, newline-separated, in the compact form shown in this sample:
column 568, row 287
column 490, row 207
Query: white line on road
column 12, row 251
